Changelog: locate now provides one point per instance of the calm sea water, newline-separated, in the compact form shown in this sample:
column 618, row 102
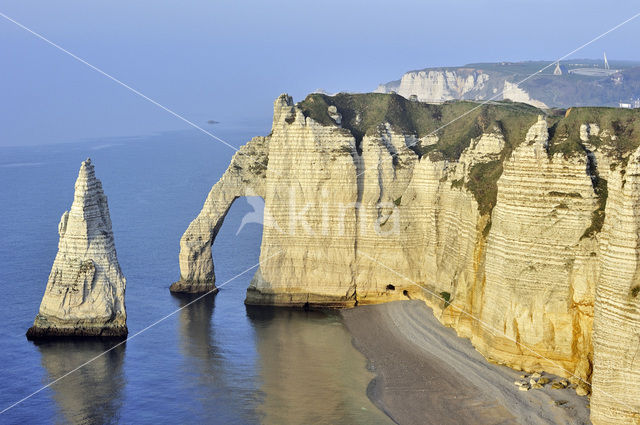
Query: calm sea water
column 215, row 361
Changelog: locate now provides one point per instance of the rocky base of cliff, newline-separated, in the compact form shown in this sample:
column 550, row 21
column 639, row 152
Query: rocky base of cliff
column 301, row 299
column 183, row 287
column 43, row 330
column 259, row 293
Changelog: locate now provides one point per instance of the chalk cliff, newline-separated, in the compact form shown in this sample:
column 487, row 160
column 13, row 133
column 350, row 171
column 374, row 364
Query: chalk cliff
column 499, row 220
column 439, row 85
column 244, row 177
column 616, row 335
column 85, row 292
column 442, row 84
column 532, row 82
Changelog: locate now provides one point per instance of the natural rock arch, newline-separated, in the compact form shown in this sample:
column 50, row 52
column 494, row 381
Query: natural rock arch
column 245, row 176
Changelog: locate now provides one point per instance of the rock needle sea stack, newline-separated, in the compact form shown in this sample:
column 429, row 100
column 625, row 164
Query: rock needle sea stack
column 85, row 291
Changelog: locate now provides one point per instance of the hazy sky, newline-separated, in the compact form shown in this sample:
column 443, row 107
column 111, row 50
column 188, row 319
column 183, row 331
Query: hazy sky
column 228, row 60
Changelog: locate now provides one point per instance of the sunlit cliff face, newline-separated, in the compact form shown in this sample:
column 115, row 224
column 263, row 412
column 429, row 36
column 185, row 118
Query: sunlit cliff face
column 502, row 223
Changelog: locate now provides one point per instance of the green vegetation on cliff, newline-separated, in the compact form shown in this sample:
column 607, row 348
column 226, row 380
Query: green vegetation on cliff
column 622, row 124
column 597, row 216
column 483, row 183
column 618, row 135
column 456, row 123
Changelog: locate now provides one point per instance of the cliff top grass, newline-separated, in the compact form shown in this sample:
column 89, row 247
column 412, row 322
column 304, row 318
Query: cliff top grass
column 455, row 123
column 624, row 124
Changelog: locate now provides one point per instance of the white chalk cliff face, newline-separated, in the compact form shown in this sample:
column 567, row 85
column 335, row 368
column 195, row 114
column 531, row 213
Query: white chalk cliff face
column 616, row 335
column 515, row 93
column 440, row 85
column 538, row 267
column 85, row 292
column 508, row 240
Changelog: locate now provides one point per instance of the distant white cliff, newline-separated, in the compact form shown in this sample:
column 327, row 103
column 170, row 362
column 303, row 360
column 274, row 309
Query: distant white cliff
column 441, row 85
column 437, row 85
column 541, row 84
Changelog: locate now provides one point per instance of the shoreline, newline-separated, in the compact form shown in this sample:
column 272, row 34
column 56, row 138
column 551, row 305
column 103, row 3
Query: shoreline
column 426, row 374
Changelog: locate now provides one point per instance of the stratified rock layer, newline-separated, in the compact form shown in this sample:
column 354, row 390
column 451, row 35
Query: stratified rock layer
column 498, row 223
column 85, row 291
column 539, row 269
column 616, row 336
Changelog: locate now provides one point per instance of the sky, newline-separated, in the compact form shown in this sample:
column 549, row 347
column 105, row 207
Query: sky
column 228, row 60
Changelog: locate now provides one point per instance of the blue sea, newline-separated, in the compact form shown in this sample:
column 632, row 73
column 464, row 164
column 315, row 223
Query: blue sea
column 214, row 361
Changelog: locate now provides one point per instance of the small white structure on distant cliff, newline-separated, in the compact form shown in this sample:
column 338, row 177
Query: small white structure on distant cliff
column 557, row 71
column 85, row 291
column 629, row 105
column 595, row 71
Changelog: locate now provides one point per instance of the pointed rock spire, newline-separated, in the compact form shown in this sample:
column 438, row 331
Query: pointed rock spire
column 539, row 132
column 85, row 291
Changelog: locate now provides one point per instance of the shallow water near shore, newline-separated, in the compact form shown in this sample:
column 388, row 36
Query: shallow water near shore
column 215, row 360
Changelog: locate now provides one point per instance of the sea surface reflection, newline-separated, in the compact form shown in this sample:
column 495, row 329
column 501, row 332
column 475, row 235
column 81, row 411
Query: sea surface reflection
column 212, row 361
column 307, row 369
column 92, row 394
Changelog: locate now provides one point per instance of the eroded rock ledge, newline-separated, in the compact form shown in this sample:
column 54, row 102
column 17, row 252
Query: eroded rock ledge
column 516, row 228
column 85, row 291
